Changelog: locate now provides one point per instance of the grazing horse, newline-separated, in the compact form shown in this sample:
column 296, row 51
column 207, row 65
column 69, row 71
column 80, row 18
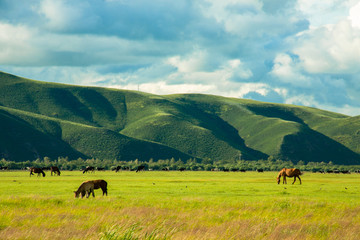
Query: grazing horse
column 88, row 169
column 140, row 168
column 86, row 188
column 289, row 172
column 55, row 170
column 36, row 170
column 100, row 184
column 116, row 169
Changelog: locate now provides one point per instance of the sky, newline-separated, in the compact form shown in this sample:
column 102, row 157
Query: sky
column 301, row 52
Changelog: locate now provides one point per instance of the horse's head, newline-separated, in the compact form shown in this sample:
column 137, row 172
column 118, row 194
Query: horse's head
column 76, row 194
column 278, row 179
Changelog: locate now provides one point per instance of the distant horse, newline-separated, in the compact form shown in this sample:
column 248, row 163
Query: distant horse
column 36, row 170
column 289, row 172
column 100, row 184
column 140, row 168
column 86, row 188
column 55, row 170
column 116, row 169
column 88, row 169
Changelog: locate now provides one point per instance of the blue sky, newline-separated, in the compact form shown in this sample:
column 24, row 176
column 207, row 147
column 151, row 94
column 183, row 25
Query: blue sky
column 300, row 52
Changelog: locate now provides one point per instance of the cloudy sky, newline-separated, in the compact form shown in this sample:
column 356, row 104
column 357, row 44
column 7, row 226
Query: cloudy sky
column 302, row 52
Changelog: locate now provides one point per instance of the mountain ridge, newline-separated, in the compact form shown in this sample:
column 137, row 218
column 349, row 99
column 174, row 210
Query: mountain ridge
column 126, row 125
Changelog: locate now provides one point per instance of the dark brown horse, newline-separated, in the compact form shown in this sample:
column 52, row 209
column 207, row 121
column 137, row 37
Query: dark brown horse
column 85, row 189
column 89, row 169
column 36, row 170
column 100, row 184
column 289, row 172
column 55, row 170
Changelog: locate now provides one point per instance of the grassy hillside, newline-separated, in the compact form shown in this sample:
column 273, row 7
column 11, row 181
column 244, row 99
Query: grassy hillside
column 28, row 136
column 109, row 123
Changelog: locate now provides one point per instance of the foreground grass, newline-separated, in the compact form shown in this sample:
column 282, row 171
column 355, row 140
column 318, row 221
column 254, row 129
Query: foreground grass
column 180, row 205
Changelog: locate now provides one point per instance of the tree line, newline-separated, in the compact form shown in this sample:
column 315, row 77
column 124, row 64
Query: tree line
column 269, row 164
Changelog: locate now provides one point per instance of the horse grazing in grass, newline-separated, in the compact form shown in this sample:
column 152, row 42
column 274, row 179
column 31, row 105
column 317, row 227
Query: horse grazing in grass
column 55, row 170
column 36, row 170
column 86, row 188
column 140, row 168
column 100, row 184
column 88, row 169
column 289, row 172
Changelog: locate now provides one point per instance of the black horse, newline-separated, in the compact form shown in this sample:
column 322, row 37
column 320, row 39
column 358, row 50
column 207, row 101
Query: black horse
column 140, row 168
column 36, row 170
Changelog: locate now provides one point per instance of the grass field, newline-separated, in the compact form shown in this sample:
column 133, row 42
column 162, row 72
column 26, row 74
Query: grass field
column 180, row 205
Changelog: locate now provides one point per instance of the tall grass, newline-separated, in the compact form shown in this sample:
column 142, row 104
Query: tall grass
column 180, row 205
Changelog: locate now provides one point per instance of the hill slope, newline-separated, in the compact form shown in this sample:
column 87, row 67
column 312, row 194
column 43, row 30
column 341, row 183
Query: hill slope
column 40, row 119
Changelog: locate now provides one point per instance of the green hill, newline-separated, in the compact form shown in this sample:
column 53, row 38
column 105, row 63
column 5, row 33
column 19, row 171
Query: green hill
column 40, row 119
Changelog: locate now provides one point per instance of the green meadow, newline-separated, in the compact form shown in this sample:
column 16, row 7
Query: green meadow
column 180, row 205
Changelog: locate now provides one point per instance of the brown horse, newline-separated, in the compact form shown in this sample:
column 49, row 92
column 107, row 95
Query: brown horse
column 100, row 184
column 85, row 189
column 289, row 172
column 55, row 170
column 36, row 170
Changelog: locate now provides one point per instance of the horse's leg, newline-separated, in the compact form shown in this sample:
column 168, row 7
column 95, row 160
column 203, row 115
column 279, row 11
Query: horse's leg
column 93, row 192
column 284, row 180
column 294, row 180
column 299, row 179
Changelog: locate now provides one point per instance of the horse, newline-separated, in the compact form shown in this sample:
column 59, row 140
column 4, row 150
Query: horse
column 55, row 170
column 88, row 169
column 36, row 170
column 140, row 168
column 289, row 172
column 100, row 184
column 86, row 188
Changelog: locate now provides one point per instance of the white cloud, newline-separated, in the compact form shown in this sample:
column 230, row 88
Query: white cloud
column 331, row 49
column 195, row 62
column 60, row 15
column 287, row 70
column 16, row 46
column 354, row 16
